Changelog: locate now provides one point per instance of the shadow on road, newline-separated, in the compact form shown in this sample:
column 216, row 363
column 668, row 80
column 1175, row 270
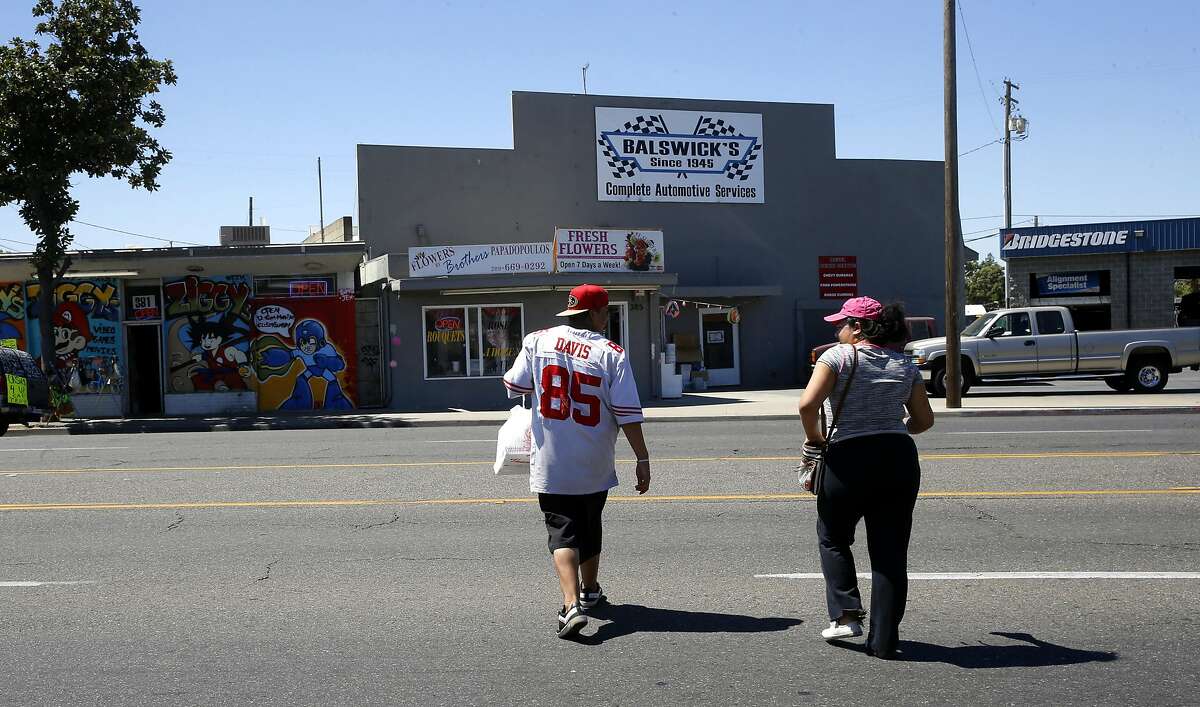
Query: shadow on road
column 626, row 619
column 1037, row 654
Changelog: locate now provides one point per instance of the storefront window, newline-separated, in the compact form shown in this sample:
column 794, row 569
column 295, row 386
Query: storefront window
column 475, row 341
column 501, row 331
column 446, row 342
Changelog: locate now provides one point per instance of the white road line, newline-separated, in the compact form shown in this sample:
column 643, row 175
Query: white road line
column 1047, row 432
column 55, row 449
column 1005, row 575
column 39, row 584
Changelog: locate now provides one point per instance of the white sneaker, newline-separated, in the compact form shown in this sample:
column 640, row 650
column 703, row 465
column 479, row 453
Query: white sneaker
column 847, row 630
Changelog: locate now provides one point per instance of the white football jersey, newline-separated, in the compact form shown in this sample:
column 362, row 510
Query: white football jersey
column 583, row 390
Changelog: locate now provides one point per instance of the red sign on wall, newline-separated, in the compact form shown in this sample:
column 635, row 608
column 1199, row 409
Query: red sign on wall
column 837, row 276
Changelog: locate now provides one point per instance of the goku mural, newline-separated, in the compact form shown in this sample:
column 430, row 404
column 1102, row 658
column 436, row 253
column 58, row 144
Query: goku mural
column 300, row 353
column 207, row 334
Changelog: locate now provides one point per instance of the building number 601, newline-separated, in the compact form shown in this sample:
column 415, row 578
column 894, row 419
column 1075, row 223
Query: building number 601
column 555, row 387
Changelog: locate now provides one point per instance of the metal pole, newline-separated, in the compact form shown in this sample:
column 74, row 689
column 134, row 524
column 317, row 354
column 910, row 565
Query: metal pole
column 585, row 68
column 953, row 244
column 320, row 201
column 251, row 221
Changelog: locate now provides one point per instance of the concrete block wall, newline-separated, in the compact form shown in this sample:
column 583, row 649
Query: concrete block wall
column 1151, row 301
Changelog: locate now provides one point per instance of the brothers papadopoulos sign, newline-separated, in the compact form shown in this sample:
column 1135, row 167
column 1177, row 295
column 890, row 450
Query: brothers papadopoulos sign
column 607, row 250
column 680, row 156
column 480, row 259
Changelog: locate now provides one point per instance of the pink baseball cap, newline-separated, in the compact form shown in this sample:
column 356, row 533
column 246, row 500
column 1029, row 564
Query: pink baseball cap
column 858, row 308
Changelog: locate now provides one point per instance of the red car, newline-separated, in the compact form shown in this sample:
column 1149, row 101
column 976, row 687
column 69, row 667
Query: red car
column 918, row 328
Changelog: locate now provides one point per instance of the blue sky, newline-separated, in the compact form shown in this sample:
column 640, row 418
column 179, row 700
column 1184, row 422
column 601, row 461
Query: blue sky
column 1109, row 88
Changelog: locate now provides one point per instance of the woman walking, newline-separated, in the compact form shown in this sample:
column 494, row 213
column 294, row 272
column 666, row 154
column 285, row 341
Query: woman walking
column 872, row 472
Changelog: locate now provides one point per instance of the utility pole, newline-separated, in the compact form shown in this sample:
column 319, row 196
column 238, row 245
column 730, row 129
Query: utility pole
column 585, row 68
column 320, row 201
column 251, row 221
column 1008, row 104
column 953, row 242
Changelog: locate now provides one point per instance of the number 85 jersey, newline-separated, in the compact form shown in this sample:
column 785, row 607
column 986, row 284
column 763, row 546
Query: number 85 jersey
column 583, row 391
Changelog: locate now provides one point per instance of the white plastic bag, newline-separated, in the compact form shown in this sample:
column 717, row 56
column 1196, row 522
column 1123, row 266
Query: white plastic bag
column 514, row 442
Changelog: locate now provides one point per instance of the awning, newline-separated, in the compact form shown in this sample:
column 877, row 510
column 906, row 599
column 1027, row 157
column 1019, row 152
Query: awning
column 531, row 282
column 723, row 291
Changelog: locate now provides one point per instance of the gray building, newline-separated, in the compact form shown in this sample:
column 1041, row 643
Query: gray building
column 1120, row 275
column 756, row 213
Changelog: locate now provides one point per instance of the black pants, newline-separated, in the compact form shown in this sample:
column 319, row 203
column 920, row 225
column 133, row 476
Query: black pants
column 874, row 478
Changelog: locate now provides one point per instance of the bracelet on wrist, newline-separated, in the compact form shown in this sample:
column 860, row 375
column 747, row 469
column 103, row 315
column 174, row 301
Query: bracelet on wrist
column 643, row 461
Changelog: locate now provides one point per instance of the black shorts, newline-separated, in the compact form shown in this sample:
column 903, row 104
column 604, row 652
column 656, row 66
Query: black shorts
column 574, row 521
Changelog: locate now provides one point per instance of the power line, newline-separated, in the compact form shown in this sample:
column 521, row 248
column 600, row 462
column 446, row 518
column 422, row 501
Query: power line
column 977, row 149
column 11, row 240
column 982, row 95
column 131, row 233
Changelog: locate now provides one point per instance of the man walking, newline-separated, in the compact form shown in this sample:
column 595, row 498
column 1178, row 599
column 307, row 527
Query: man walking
column 583, row 390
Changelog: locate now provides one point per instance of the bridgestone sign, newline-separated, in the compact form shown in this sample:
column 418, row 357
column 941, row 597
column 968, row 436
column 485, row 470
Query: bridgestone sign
column 679, row 156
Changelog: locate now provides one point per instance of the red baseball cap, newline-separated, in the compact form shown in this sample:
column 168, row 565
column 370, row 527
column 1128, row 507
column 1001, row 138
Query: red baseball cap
column 584, row 298
column 858, row 308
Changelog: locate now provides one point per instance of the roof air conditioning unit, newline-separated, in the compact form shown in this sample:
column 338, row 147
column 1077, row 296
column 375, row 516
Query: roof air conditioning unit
column 245, row 235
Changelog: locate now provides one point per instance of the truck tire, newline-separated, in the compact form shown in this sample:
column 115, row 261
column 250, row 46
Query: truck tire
column 937, row 383
column 1120, row 384
column 1148, row 375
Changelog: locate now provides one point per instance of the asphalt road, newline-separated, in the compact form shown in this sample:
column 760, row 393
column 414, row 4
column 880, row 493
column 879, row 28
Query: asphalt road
column 392, row 567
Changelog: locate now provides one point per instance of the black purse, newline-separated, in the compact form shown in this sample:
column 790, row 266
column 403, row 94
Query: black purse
column 812, row 474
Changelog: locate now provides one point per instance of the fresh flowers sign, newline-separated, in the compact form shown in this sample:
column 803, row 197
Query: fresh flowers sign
column 607, row 250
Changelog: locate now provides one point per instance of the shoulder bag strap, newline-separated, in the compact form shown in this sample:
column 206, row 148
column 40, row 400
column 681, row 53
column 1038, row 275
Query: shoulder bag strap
column 837, row 411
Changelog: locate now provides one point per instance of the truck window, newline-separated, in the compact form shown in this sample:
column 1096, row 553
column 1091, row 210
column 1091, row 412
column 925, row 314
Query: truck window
column 1050, row 323
column 1015, row 324
column 918, row 329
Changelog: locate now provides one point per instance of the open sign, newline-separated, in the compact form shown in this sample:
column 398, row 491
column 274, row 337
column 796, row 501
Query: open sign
column 448, row 324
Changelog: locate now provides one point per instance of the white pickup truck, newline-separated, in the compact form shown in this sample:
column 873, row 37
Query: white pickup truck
column 1039, row 343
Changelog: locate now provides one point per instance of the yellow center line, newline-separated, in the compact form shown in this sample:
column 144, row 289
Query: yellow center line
column 333, row 502
column 667, row 460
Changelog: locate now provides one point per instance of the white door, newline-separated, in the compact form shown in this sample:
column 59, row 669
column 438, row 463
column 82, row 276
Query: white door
column 719, row 347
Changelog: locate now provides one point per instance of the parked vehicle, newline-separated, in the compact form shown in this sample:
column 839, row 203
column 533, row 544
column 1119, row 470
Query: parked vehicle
column 918, row 328
column 24, row 390
column 1041, row 343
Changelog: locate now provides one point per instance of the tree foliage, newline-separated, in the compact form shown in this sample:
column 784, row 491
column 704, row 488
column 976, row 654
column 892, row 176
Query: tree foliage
column 75, row 100
column 985, row 282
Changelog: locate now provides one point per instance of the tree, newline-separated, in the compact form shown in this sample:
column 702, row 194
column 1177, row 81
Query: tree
column 985, row 282
column 75, row 100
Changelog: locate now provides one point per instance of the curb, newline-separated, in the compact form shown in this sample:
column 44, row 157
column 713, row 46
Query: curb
column 300, row 423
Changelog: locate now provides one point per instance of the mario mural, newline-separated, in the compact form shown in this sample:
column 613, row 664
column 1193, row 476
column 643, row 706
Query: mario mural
column 303, row 353
column 207, row 334
column 12, row 315
column 85, row 326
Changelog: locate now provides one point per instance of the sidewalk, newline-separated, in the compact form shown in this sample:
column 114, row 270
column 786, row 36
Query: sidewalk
column 729, row 406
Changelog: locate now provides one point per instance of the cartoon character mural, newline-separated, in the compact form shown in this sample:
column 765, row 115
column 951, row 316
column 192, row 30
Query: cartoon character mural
column 85, row 325
column 222, row 366
column 207, row 334
column 299, row 353
column 12, row 315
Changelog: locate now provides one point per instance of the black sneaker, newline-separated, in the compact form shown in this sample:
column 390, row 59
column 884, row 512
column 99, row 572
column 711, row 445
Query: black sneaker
column 571, row 620
column 592, row 599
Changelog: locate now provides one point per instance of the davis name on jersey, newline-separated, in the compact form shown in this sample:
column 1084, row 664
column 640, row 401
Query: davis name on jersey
column 583, row 391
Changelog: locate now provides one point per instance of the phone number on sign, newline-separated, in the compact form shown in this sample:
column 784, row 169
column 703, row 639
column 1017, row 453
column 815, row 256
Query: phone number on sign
column 524, row 267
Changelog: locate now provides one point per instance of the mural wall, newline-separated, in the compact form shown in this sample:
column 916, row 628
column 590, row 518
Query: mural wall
column 207, row 334
column 304, row 353
column 86, row 325
column 12, row 315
